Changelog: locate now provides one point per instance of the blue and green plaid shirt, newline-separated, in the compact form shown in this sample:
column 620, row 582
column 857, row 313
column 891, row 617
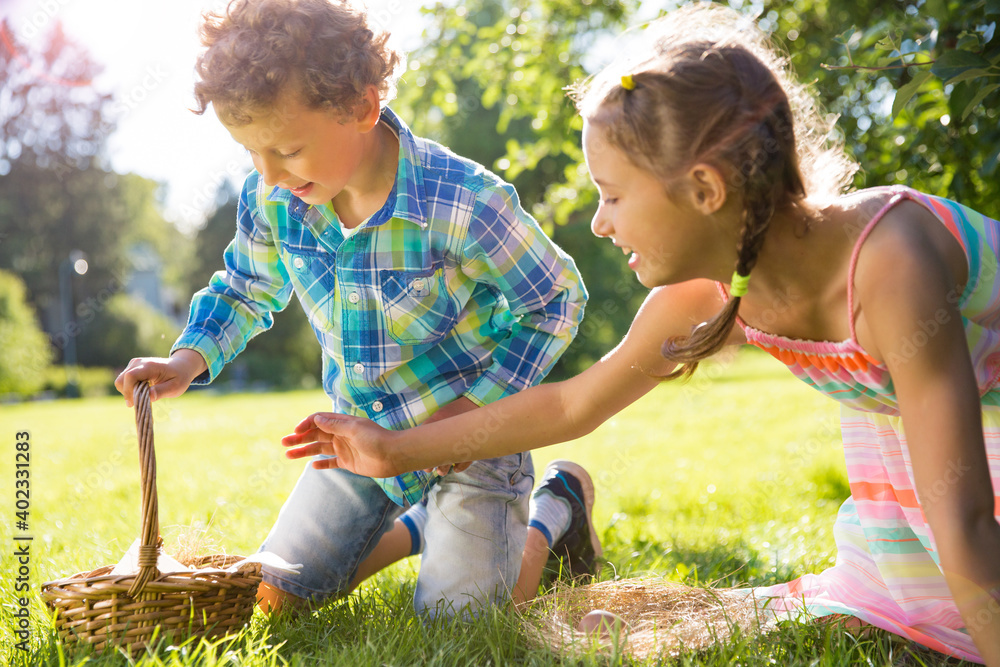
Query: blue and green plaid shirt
column 450, row 290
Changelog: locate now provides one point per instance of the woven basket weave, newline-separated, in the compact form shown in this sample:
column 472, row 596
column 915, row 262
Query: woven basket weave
column 103, row 610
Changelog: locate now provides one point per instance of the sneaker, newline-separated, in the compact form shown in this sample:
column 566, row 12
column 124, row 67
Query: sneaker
column 579, row 545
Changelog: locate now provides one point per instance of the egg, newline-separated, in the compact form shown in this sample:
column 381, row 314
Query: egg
column 603, row 623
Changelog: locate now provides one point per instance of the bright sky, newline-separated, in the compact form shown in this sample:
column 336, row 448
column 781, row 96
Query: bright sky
column 148, row 49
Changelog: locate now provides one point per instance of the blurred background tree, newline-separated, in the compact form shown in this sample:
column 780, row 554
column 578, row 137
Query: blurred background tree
column 69, row 226
column 25, row 351
column 489, row 84
column 915, row 85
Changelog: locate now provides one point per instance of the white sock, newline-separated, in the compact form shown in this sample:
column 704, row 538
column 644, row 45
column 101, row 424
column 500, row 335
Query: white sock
column 550, row 514
column 414, row 519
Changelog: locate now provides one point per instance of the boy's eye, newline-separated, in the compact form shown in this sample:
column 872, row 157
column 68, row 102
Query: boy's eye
column 289, row 155
column 609, row 201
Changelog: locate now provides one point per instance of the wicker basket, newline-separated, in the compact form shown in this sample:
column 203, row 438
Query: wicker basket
column 101, row 610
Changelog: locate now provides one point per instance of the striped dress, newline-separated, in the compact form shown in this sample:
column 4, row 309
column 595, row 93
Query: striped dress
column 887, row 571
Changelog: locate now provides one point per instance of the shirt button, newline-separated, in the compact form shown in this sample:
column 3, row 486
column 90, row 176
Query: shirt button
column 418, row 285
column 354, row 297
column 377, row 406
column 359, row 368
column 299, row 262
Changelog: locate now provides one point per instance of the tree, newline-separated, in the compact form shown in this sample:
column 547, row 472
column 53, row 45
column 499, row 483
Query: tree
column 122, row 328
column 49, row 107
column 57, row 199
column 489, row 83
column 25, row 352
column 915, row 87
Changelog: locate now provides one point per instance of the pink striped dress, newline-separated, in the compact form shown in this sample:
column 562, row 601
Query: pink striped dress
column 887, row 570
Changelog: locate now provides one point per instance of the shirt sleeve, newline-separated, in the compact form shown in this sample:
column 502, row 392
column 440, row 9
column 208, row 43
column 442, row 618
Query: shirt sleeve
column 239, row 300
column 507, row 249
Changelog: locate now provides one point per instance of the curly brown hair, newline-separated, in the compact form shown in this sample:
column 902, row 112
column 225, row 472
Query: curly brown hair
column 324, row 48
column 707, row 86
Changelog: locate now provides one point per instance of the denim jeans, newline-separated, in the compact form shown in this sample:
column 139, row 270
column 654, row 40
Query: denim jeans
column 474, row 536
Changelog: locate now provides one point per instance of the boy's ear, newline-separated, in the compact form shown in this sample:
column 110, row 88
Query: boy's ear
column 707, row 187
column 368, row 110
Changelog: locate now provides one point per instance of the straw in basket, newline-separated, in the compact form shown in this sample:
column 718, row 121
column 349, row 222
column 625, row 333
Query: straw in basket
column 102, row 609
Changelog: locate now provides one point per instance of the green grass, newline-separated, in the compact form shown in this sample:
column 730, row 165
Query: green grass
column 732, row 478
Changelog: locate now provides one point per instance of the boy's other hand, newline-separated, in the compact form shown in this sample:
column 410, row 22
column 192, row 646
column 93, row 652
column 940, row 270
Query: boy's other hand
column 167, row 376
column 359, row 445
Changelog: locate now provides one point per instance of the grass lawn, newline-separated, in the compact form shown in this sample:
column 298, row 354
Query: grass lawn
column 732, row 478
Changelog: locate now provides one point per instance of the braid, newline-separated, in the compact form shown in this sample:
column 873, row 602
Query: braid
column 763, row 189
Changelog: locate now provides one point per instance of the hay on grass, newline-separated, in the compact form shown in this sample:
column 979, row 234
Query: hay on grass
column 661, row 617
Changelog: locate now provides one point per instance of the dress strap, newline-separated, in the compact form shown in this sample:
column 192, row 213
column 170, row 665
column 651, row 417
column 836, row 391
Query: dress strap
column 901, row 194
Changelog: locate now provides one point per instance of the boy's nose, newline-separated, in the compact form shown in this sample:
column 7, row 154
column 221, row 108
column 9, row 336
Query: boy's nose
column 272, row 172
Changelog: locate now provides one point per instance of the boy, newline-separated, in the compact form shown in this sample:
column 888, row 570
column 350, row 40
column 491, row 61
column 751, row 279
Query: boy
column 429, row 289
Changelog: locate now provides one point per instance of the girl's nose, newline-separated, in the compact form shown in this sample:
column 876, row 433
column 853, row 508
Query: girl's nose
column 601, row 225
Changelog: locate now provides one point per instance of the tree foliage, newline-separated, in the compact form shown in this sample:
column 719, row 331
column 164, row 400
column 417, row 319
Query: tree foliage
column 914, row 83
column 914, row 87
column 122, row 328
column 25, row 351
column 489, row 83
column 49, row 108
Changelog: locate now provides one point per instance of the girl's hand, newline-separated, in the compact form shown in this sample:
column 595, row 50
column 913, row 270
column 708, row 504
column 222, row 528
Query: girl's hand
column 359, row 445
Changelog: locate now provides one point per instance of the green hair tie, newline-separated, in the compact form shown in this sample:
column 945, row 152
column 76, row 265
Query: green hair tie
column 738, row 285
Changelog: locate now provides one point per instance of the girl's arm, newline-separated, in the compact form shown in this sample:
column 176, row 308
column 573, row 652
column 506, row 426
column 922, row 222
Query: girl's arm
column 908, row 281
column 542, row 415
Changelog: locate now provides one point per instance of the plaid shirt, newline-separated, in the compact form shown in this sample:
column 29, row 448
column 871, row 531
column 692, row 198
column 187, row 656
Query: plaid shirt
column 450, row 290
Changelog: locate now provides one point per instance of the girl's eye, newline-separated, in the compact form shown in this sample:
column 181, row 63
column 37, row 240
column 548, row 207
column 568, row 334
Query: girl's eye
column 609, row 201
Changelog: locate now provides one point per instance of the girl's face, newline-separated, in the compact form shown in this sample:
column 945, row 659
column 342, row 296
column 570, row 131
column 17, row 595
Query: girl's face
column 662, row 238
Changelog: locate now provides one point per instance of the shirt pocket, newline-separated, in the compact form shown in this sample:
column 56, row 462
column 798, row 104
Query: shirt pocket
column 418, row 308
column 314, row 279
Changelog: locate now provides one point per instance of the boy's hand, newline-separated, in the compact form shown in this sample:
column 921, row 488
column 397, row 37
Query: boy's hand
column 167, row 376
column 360, row 445
column 456, row 407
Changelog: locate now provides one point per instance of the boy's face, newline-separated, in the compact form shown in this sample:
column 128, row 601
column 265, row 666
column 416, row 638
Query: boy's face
column 312, row 152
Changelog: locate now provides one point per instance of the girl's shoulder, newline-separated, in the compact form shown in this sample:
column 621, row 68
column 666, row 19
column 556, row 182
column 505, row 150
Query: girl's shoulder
column 893, row 220
column 905, row 243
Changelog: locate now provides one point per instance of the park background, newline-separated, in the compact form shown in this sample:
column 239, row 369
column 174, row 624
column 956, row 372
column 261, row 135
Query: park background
column 98, row 260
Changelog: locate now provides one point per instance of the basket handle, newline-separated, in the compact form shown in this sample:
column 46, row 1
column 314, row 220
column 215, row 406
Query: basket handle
column 149, row 544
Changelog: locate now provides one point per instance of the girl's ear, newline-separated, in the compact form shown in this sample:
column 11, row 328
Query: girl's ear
column 707, row 187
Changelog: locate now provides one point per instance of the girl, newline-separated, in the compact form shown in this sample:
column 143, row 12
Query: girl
column 709, row 158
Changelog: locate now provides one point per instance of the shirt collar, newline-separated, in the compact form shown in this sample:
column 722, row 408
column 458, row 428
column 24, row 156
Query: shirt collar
column 409, row 190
